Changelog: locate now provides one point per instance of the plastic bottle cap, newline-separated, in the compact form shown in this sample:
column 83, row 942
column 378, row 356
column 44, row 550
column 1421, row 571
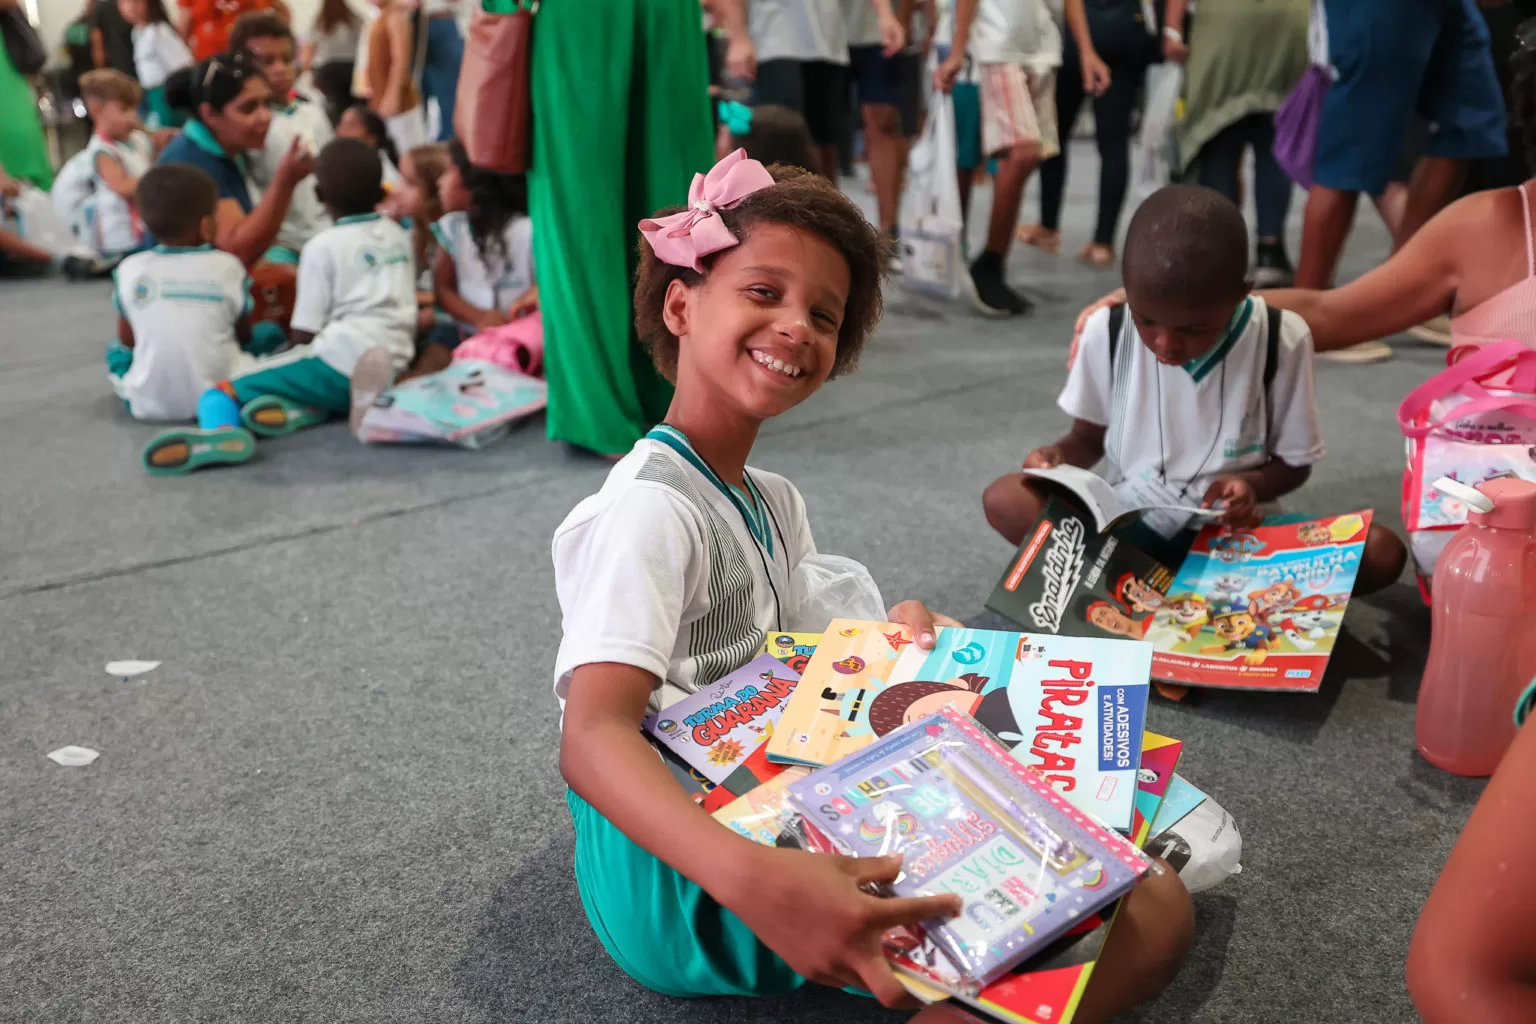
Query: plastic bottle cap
column 1514, row 504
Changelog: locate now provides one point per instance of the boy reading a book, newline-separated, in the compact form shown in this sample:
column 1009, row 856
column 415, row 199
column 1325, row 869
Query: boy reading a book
column 1193, row 391
column 673, row 574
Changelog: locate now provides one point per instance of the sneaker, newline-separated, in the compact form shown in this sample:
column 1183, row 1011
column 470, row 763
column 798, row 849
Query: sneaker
column 1365, row 352
column 181, row 451
column 894, row 264
column 1436, row 331
column 81, row 268
column 1272, row 268
column 274, row 416
column 989, row 293
column 374, row 372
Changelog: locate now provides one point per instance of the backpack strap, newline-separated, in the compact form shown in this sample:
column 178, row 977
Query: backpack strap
column 1116, row 325
column 1272, row 349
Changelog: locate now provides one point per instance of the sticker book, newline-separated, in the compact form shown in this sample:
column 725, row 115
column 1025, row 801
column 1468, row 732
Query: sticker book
column 970, row 819
column 793, row 649
column 1070, row 707
column 725, row 725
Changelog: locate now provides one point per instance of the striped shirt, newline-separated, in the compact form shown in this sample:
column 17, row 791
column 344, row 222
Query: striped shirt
column 669, row 569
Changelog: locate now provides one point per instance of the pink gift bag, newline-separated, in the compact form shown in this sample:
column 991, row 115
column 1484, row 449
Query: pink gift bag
column 517, row 346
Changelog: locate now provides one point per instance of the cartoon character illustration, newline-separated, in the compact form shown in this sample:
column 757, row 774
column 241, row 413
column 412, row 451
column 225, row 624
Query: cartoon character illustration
column 1111, row 618
column 896, row 640
column 849, row 666
column 1264, row 603
column 1147, row 776
column 1137, row 594
column 1314, row 534
column 1226, row 588
column 900, row 703
column 1306, row 621
column 1185, row 614
column 1240, row 630
column 852, row 706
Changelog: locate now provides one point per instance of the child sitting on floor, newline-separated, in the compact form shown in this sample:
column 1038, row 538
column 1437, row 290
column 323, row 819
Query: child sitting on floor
column 749, row 299
column 1203, row 395
column 484, row 270
column 770, row 134
column 417, row 205
column 183, row 307
column 270, row 43
column 358, row 122
column 353, row 320
column 121, row 152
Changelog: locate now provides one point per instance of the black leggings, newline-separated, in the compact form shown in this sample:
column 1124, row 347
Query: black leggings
column 1112, row 131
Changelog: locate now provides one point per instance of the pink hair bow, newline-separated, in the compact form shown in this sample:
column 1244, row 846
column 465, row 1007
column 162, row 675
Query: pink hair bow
column 684, row 239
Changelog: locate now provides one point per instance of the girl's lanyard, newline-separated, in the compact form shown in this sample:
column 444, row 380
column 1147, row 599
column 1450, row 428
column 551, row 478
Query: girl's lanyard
column 758, row 517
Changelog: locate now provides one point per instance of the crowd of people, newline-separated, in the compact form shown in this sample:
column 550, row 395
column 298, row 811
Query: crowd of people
column 280, row 260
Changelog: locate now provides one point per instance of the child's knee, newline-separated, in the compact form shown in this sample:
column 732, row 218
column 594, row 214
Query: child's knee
column 1009, row 506
column 1026, row 154
column 1168, row 902
column 1382, row 561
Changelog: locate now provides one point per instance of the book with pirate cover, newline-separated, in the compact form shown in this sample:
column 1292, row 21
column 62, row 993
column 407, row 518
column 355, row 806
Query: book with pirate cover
column 1247, row 609
column 1072, row 708
column 1048, row 987
column 718, row 736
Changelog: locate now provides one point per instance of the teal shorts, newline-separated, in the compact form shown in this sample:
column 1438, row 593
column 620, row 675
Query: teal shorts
column 662, row 929
column 296, row 375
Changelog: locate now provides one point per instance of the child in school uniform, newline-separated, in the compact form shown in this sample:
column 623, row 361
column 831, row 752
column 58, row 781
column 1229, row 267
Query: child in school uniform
column 353, row 321
column 121, row 152
column 1193, row 393
column 749, row 298
column 183, row 307
column 158, row 51
column 270, row 42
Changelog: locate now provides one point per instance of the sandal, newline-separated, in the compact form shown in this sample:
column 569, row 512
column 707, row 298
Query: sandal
column 1040, row 237
column 1096, row 254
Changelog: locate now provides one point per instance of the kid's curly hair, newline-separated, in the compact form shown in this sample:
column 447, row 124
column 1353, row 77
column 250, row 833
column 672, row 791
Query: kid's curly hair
column 798, row 199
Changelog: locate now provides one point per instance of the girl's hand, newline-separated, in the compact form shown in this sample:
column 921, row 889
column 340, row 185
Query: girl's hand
column 525, row 304
column 1240, row 506
column 487, row 318
column 840, row 945
column 1114, row 298
column 916, row 615
column 1095, row 74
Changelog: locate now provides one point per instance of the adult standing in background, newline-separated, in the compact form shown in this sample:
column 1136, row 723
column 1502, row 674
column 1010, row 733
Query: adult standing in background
column 1125, row 42
column 111, row 38
column 621, row 123
column 1241, row 60
column 802, row 52
column 876, row 36
column 23, row 150
column 445, row 53
column 330, row 53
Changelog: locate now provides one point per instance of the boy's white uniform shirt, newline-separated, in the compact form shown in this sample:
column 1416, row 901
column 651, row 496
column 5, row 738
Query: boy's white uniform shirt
column 306, row 216
column 357, row 289
column 118, row 228
column 183, row 304
column 1168, row 434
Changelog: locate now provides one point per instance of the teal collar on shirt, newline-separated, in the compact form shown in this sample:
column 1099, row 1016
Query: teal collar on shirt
column 205, row 247
column 748, row 501
column 203, row 139
column 358, row 218
column 1198, row 368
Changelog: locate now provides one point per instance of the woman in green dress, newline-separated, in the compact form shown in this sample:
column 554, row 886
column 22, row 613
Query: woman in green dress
column 621, row 123
column 23, row 152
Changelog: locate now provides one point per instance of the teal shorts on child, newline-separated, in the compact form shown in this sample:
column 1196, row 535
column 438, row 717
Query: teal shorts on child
column 662, row 929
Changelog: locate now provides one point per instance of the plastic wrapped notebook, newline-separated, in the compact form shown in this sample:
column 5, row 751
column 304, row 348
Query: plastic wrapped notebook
column 969, row 819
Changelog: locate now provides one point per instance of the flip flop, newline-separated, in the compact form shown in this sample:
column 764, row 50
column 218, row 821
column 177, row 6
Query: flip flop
column 274, row 416
column 181, row 451
column 1096, row 255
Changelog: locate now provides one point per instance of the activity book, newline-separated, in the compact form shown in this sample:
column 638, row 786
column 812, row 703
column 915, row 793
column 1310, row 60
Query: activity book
column 1069, row 707
column 1254, row 609
column 718, row 729
column 970, row 819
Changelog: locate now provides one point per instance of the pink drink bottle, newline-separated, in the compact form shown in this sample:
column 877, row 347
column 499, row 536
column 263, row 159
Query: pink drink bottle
column 1482, row 652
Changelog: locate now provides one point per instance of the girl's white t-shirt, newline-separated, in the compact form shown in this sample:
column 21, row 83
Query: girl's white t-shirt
column 493, row 285
column 157, row 51
column 1169, row 435
column 118, row 228
column 661, row 571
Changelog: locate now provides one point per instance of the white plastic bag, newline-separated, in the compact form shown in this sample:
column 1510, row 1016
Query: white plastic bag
column 1153, row 158
column 931, row 222
column 31, row 215
column 827, row 587
column 1203, row 847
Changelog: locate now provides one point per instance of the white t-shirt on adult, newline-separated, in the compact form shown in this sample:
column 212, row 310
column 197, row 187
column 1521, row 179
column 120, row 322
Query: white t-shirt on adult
column 118, row 227
column 1015, row 32
column 1168, row 435
column 488, row 285
column 338, row 44
column 356, row 289
column 799, row 30
column 306, row 216
column 863, row 23
column 660, row 570
column 158, row 50
column 183, row 304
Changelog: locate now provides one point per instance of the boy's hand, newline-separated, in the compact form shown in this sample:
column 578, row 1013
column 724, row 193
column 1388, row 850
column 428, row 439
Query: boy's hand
column 945, row 74
column 1239, row 505
column 1114, row 298
column 916, row 615
column 840, row 946
column 1044, row 457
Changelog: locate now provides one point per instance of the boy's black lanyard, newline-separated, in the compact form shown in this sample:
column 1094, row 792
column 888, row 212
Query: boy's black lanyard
column 760, row 527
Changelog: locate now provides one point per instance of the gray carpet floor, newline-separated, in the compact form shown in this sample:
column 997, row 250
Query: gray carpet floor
column 337, row 799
